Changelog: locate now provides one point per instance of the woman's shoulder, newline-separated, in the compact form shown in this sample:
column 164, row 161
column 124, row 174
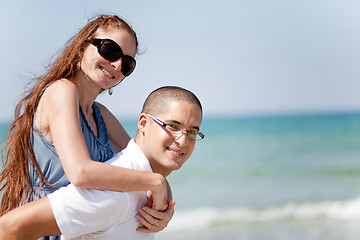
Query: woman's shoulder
column 61, row 91
column 62, row 86
column 60, row 94
column 59, row 101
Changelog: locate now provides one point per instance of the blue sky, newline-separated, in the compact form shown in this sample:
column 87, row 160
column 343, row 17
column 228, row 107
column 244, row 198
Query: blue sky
column 239, row 57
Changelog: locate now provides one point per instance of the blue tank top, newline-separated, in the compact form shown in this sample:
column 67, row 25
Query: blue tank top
column 100, row 150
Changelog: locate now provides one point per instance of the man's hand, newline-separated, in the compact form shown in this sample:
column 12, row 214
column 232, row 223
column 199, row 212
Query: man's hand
column 153, row 220
column 152, row 217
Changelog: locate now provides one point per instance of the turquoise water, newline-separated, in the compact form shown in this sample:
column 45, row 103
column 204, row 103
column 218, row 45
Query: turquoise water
column 294, row 177
column 266, row 161
column 277, row 178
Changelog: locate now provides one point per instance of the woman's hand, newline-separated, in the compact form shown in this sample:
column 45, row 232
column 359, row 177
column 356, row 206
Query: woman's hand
column 159, row 197
column 155, row 221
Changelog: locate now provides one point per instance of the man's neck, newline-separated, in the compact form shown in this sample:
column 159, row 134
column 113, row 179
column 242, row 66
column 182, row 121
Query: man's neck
column 154, row 169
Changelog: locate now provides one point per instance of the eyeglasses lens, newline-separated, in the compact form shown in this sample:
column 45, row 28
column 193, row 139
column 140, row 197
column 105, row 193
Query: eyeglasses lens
column 178, row 131
column 128, row 65
column 110, row 50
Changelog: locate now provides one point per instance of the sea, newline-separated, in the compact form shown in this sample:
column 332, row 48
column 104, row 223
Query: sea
column 289, row 177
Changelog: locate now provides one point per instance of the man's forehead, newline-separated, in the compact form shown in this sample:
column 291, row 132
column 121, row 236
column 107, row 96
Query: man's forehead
column 181, row 111
column 174, row 107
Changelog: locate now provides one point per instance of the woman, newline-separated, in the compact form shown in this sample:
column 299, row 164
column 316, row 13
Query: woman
column 61, row 135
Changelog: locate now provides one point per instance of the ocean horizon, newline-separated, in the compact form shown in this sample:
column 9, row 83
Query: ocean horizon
column 287, row 177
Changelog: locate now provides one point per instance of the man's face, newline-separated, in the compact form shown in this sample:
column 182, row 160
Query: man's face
column 168, row 152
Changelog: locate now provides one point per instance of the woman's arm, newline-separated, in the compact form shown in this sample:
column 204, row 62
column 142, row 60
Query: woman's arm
column 58, row 119
column 36, row 219
column 30, row 221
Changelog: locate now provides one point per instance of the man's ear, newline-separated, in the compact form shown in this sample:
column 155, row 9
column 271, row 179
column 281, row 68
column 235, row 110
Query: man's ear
column 142, row 122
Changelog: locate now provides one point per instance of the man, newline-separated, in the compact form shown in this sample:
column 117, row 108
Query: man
column 168, row 127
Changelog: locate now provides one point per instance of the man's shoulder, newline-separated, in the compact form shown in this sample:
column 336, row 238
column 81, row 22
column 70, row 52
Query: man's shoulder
column 129, row 157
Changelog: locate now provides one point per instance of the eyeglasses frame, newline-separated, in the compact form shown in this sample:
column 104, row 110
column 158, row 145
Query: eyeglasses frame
column 97, row 42
column 162, row 124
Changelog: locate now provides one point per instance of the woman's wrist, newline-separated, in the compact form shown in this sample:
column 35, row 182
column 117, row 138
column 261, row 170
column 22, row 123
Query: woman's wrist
column 159, row 183
column 160, row 193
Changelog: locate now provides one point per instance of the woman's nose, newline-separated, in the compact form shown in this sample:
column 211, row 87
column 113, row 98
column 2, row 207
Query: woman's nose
column 117, row 64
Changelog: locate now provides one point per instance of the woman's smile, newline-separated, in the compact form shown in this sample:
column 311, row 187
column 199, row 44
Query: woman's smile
column 107, row 73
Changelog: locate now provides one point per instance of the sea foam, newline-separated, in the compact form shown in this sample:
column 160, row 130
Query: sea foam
column 203, row 218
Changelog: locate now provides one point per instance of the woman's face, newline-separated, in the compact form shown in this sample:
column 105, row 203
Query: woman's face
column 101, row 72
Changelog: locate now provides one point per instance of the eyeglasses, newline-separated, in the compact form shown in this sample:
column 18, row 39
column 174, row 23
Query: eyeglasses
column 177, row 131
column 111, row 51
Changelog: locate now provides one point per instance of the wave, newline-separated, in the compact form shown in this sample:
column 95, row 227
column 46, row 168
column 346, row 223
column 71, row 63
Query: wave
column 203, row 218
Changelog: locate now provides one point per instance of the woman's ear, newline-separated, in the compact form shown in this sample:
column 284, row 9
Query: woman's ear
column 142, row 122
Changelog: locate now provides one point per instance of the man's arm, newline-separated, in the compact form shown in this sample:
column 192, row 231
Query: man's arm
column 29, row 221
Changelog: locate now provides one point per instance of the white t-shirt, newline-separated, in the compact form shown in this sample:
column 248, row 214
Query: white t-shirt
column 96, row 214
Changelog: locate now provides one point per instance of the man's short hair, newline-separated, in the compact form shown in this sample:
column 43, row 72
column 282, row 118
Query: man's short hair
column 156, row 101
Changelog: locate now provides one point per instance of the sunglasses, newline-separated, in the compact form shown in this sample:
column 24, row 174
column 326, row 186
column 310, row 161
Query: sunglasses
column 111, row 51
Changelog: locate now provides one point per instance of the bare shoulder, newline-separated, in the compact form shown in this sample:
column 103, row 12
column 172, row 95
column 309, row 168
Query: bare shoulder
column 60, row 88
column 58, row 99
column 59, row 94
